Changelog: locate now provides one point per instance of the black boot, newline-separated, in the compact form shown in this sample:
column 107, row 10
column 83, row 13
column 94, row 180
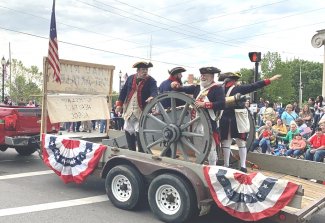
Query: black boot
column 130, row 139
column 140, row 149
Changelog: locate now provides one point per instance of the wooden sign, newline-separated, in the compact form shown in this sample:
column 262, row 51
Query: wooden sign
column 81, row 78
column 72, row 108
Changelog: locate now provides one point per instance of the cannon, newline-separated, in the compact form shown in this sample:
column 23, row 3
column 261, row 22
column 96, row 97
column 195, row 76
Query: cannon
column 181, row 131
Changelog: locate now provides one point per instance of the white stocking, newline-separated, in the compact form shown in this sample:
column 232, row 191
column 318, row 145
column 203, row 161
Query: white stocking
column 213, row 157
column 242, row 152
column 225, row 145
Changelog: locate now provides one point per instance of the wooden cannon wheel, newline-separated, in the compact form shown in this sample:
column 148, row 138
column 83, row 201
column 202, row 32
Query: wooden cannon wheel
column 182, row 132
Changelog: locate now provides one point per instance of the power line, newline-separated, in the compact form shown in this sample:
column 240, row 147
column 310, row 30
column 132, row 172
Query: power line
column 92, row 48
column 230, row 40
column 224, row 42
column 190, row 23
column 197, row 35
column 68, row 25
column 188, row 36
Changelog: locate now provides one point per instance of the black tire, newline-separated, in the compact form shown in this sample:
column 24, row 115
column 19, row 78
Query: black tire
column 172, row 199
column 132, row 194
column 26, row 150
column 3, row 148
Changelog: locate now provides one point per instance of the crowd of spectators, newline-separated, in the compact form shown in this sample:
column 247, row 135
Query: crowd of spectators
column 291, row 131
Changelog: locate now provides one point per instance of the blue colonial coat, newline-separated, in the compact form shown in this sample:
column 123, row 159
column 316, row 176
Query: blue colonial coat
column 146, row 88
column 165, row 87
column 216, row 96
column 228, row 117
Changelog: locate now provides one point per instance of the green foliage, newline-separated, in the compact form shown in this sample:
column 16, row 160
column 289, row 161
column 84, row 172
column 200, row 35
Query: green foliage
column 286, row 90
column 311, row 78
column 114, row 97
column 247, row 75
column 26, row 83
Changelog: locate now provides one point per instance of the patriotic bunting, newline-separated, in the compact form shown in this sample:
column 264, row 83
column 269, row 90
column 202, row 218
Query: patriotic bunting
column 72, row 160
column 249, row 197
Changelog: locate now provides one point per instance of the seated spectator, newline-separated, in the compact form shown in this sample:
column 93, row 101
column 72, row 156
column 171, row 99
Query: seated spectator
column 269, row 114
column 264, row 145
column 317, row 150
column 303, row 128
column 279, row 128
column 288, row 115
column 311, row 105
column 297, row 146
column 322, row 126
column 293, row 130
column 322, row 116
column 306, row 115
column 266, row 137
column 295, row 107
column 318, row 106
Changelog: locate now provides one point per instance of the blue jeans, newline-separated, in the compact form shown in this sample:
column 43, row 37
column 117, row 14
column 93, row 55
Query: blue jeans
column 265, row 143
column 318, row 156
column 256, row 144
column 102, row 127
column 295, row 153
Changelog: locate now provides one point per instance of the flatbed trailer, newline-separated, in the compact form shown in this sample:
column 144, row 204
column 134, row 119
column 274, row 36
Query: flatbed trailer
column 121, row 165
column 176, row 188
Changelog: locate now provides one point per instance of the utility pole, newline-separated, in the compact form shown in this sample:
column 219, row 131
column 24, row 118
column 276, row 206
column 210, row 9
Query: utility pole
column 300, row 87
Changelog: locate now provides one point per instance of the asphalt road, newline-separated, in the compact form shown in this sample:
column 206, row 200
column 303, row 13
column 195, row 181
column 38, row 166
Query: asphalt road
column 31, row 193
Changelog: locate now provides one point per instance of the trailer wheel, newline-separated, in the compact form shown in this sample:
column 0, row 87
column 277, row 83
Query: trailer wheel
column 125, row 187
column 171, row 198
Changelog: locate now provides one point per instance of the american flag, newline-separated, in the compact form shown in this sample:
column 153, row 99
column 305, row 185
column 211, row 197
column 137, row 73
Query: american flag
column 53, row 57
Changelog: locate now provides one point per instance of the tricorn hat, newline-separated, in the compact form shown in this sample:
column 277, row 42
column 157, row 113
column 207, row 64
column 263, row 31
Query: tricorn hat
column 209, row 70
column 142, row 64
column 176, row 70
column 230, row 75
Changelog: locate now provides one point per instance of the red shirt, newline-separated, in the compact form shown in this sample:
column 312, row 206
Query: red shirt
column 266, row 133
column 317, row 142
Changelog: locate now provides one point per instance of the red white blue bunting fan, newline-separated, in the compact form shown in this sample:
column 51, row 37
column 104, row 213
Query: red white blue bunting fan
column 249, row 197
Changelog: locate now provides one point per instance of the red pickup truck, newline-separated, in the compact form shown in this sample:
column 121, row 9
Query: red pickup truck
column 20, row 128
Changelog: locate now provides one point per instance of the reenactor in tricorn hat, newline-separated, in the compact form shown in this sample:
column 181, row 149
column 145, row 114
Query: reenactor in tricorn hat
column 227, row 122
column 138, row 90
column 210, row 96
column 175, row 75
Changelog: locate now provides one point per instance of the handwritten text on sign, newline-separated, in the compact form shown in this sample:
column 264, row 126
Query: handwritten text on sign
column 71, row 108
column 82, row 78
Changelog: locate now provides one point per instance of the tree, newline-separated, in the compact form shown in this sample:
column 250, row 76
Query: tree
column 279, row 91
column 26, row 82
column 247, row 75
column 311, row 78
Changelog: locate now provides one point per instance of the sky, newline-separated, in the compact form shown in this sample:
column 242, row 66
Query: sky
column 169, row 33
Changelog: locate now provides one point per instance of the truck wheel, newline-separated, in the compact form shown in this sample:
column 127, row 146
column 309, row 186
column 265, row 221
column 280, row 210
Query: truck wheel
column 172, row 199
column 125, row 187
column 3, row 148
column 26, row 151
